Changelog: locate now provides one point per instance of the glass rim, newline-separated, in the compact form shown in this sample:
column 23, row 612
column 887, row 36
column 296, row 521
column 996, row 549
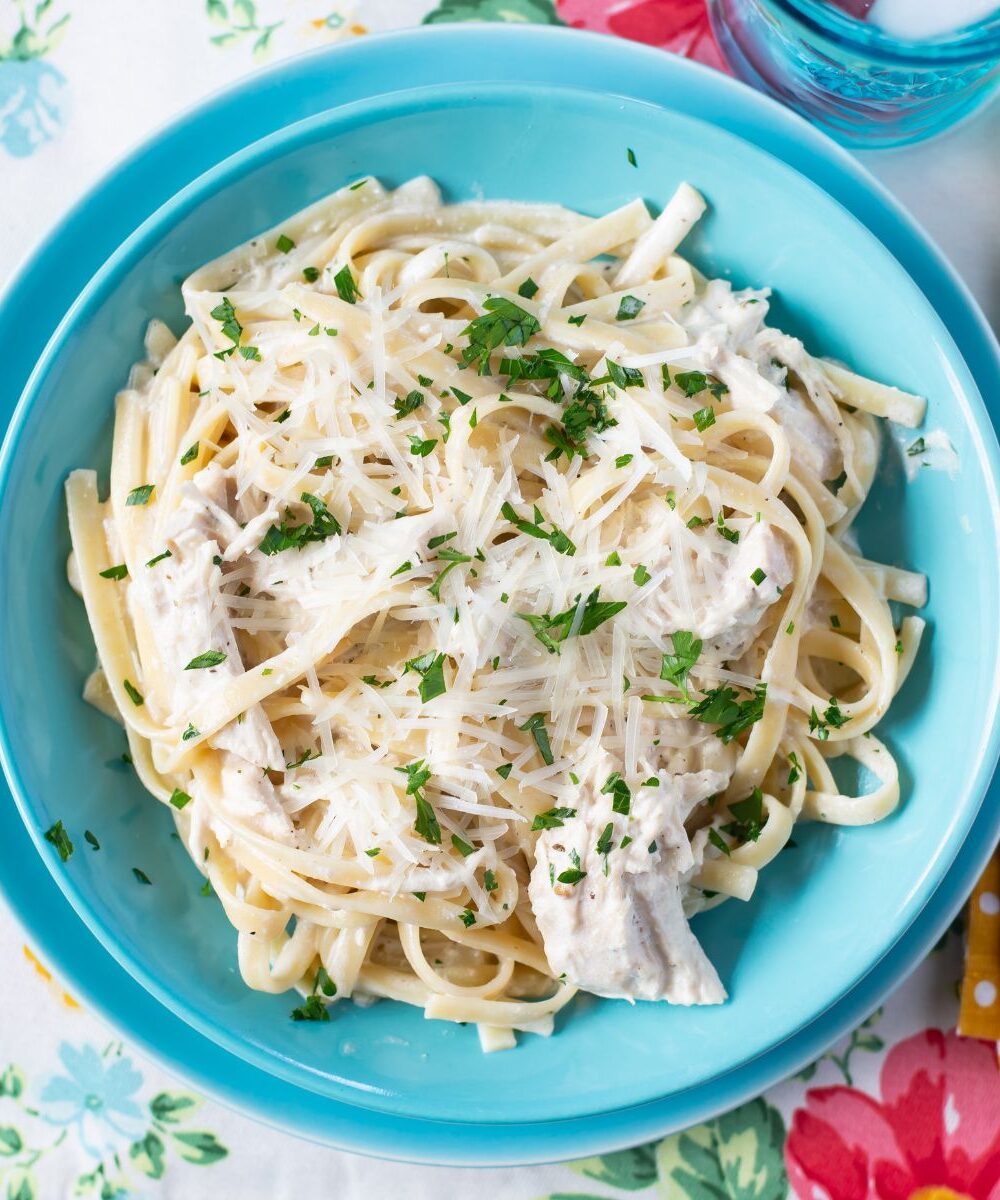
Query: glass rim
column 970, row 42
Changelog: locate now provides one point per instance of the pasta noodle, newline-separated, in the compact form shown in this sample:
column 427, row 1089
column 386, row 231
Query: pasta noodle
column 474, row 589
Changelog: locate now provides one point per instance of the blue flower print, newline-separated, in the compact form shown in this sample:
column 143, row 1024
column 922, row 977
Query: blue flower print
column 32, row 105
column 95, row 1096
column 32, row 92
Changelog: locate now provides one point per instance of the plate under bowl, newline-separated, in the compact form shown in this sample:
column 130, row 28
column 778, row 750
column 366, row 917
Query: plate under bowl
column 823, row 915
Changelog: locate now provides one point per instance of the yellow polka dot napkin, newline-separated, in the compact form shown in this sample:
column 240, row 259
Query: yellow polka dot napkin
column 979, row 1014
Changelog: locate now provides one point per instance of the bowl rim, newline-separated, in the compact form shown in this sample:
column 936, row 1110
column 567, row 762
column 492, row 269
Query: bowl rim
column 340, row 115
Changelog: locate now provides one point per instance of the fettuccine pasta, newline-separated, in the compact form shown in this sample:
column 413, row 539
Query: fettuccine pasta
column 477, row 588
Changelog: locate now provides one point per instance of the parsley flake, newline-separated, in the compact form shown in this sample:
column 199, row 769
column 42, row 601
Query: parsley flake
column 210, row 658
column 629, row 308
column 57, row 835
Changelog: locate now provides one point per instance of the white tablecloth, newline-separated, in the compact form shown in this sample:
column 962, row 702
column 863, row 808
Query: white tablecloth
column 82, row 1114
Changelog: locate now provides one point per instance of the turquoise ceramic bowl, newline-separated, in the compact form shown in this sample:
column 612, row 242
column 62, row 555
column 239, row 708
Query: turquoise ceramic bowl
column 823, row 916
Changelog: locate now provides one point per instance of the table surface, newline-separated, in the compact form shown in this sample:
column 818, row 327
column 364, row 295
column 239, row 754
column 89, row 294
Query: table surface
column 83, row 1114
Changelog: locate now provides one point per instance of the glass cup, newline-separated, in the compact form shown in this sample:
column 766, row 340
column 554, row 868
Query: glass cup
column 866, row 87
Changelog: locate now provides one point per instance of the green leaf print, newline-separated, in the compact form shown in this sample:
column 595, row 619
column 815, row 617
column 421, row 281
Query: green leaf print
column 539, row 12
column 20, row 1187
column 735, row 1157
column 632, row 1170
column 172, row 1107
column 11, row 1141
column 200, row 1148
column 147, row 1155
column 11, row 1082
column 239, row 23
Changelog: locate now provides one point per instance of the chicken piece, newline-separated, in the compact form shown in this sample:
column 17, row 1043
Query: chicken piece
column 811, row 440
column 248, row 796
column 181, row 598
column 733, row 619
column 619, row 929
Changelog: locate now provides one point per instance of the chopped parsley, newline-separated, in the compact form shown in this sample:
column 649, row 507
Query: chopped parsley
column 490, row 880
column 604, row 843
column 757, row 576
column 613, row 559
column 59, row 838
column 630, row 155
column 535, row 725
column 118, row 572
column 430, row 668
column 577, row 320
column 722, row 707
column 190, row 454
column 504, row 770
column 231, row 327
column 546, row 364
column 325, row 461
column 91, row 840
column 426, row 823
column 551, row 630
column 402, row 569
column 704, row 418
column 692, row 383
column 323, row 983
column 528, row 288
column 286, row 537
column 629, row 308
column 139, row 495
column 159, row 558
column 795, row 768
column 624, row 377
column 749, row 817
column 179, row 799
column 461, row 846
column 347, row 289
column 141, row 876
column 618, row 790
column 675, row 667
column 133, row 693
column 284, row 243
column 410, row 403
column 731, row 535
column 462, row 397
column 917, row 447
column 572, row 875
column 310, row 274
column 313, row 1009
column 190, row 733
column 553, row 818
column 467, row 917
column 421, row 447
column 623, row 460
column 454, row 559
column 559, row 541
column 210, row 658
column 641, row 576
column 832, row 718
column 719, row 842
column 502, row 324
column 304, row 757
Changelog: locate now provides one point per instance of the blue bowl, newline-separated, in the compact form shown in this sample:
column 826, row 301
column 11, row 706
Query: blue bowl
column 824, row 915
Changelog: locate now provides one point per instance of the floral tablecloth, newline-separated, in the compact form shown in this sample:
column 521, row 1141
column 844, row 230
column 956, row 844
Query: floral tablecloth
column 903, row 1109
